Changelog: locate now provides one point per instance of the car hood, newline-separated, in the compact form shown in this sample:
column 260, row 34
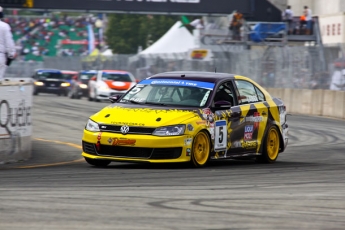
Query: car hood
column 119, row 85
column 138, row 116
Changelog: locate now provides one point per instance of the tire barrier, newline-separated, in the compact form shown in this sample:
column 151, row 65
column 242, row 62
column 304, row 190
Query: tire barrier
column 15, row 121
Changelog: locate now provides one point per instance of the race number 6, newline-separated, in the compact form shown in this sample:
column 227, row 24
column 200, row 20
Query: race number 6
column 220, row 141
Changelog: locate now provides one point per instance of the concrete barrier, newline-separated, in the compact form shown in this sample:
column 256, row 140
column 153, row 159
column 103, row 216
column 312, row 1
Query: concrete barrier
column 312, row 102
column 15, row 121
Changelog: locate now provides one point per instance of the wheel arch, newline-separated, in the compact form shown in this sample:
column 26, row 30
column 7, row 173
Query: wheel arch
column 281, row 140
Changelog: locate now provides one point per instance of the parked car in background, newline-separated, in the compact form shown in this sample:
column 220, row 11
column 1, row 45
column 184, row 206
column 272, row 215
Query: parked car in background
column 110, row 82
column 50, row 81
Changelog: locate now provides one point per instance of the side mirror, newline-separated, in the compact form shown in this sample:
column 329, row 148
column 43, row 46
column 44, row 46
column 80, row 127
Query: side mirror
column 93, row 78
column 114, row 98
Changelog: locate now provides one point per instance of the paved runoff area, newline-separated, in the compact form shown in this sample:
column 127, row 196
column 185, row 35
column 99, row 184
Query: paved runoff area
column 56, row 189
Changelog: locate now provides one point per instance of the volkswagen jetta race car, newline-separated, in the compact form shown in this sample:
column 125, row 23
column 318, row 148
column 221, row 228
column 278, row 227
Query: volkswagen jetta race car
column 188, row 117
column 110, row 82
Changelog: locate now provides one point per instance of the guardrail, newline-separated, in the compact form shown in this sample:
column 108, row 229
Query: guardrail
column 15, row 121
column 328, row 103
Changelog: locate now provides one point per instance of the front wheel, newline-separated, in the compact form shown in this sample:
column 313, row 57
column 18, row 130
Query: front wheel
column 97, row 163
column 201, row 149
column 271, row 146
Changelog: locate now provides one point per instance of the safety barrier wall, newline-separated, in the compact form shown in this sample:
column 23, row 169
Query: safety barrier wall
column 328, row 103
column 15, row 121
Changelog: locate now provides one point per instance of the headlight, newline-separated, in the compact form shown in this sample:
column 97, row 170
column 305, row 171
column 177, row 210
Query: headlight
column 174, row 130
column 103, row 87
column 83, row 86
column 65, row 84
column 39, row 83
column 92, row 126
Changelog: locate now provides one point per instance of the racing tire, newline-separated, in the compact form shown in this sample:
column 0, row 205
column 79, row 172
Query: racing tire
column 90, row 98
column 36, row 92
column 201, row 149
column 97, row 163
column 271, row 146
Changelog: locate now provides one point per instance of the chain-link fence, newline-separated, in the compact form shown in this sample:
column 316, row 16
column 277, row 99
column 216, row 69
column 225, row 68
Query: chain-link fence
column 283, row 67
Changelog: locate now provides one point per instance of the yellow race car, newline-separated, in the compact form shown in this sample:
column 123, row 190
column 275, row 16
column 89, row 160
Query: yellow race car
column 188, row 117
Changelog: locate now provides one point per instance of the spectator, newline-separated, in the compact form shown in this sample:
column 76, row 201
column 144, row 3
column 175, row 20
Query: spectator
column 302, row 25
column 309, row 20
column 288, row 18
column 236, row 24
column 338, row 80
column 7, row 47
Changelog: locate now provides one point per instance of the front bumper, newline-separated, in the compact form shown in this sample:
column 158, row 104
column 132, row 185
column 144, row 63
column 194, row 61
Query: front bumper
column 136, row 148
column 105, row 94
column 53, row 90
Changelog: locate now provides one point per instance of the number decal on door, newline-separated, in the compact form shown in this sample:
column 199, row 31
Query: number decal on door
column 220, row 141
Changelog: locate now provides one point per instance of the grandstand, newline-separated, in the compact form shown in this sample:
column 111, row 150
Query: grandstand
column 50, row 36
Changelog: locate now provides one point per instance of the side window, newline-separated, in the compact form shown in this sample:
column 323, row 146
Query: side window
column 247, row 92
column 261, row 96
column 224, row 95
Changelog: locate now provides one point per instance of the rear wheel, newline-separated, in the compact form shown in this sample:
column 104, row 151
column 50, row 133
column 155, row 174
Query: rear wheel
column 271, row 146
column 97, row 163
column 201, row 149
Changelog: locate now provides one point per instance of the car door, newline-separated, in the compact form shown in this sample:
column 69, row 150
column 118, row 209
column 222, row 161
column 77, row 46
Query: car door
column 254, row 116
column 224, row 105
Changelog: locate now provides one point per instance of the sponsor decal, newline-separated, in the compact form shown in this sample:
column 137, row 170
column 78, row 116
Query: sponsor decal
column 199, row 84
column 188, row 152
column 99, row 136
column 252, row 98
column 190, row 127
column 250, row 144
column 126, row 123
column 136, row 99
column 122, row 141
column 188, row 141
column 201, row 122
column 237, row 144
column 248, row 132
column 256, row 118
column 110, row 140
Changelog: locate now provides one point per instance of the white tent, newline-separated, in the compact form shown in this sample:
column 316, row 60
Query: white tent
column 176, row 41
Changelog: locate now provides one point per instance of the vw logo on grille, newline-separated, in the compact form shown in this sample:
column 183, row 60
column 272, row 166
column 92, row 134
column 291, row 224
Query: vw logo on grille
column 124, row 129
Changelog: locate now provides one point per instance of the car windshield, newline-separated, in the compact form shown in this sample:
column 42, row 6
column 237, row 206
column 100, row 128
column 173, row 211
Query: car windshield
column 68, row 76
column 178, row 93
column 86, row 76
column 124, row 77
column 49, row 75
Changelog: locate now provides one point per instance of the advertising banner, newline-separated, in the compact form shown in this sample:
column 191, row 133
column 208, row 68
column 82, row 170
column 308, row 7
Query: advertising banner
column 15, row 122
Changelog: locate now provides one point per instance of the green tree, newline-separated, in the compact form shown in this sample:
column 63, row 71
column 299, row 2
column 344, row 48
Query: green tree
column 126, row 32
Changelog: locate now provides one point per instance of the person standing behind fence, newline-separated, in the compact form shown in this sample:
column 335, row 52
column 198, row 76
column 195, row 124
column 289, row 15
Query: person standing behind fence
column 309, row 20
column 287, row 16
column 236, row 24
column 338, row 80
column 7, row 46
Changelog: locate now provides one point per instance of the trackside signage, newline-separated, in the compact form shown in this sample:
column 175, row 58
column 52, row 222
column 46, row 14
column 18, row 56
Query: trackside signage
column 15, row 111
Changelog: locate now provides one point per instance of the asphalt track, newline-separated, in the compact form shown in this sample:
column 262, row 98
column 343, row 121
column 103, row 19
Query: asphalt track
column 56, row 189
